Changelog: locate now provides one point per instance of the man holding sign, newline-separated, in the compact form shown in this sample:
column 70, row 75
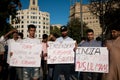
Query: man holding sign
column 64, row 68
column 31, row 72
column 90, row 42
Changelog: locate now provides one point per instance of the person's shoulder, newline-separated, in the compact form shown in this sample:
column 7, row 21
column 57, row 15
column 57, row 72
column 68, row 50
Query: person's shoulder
column 83, row 44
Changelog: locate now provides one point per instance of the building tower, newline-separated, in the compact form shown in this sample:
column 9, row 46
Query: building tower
column 90, row 19
column 32, row 15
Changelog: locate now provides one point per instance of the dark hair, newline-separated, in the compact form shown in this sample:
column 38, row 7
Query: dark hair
column 31, row 26
column 83, row 38
column 56, row 35
column 117, row 28
column 44, row 36
column 20, row 34
column 89, row 30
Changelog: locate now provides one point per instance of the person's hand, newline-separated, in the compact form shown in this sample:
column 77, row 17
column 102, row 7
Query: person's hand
column 11, row 53
column 14, row 30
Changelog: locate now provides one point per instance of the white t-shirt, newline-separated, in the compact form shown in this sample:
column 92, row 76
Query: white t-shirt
column 31, row 40
column 60, row 39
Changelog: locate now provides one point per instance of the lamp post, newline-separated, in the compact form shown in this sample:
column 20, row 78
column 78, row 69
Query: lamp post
column 81, row 18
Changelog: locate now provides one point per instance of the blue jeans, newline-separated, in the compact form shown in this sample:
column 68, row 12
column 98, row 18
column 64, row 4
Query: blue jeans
column 31, row 73
column 62, row 69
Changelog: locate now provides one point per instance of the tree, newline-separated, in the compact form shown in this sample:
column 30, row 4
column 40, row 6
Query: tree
column 55, row 29
column 7, row 8
column 74, row 27
column 105, row 9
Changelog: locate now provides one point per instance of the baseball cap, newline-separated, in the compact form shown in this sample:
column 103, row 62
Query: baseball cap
column 63, row 28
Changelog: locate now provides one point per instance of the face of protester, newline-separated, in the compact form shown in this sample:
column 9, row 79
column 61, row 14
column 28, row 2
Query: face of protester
column 32, row 32
column 15, row 36
column 64, row 33
column 90, row 36
column 115, row 34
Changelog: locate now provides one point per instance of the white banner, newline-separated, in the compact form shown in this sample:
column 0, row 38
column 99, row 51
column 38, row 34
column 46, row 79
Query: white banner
column 26, row 55
column 92, row 59
column 61, row 53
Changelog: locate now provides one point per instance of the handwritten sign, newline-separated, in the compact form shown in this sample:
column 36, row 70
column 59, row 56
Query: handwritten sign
column 92, row 59
column 25, row 55
column 60, row 53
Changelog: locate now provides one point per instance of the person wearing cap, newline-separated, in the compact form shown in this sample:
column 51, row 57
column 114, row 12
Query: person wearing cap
column 64, row 69
column 113, row 46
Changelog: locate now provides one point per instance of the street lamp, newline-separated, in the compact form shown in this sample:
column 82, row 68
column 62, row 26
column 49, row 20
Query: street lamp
column 81, row 18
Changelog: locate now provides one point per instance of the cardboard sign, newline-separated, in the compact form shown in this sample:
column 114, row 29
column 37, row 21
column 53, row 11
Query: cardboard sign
column 25, row 55
column 61, row 53
column 92, row 59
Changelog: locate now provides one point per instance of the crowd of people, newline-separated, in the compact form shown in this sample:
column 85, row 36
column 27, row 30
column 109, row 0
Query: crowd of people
column 53, row 71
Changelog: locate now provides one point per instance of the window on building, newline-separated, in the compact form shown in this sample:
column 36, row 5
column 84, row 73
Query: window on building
column 27, row 17
column 43, row 18
column 22, row 17
column 39, row 35
column 22, row 22
column 43, row 27
column 22, row 26
column 22, row 31
column 44, row 31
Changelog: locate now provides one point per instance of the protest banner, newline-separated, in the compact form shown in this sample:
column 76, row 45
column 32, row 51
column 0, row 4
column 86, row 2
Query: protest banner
column 92, row 59
column 25, row 55
column 61, row 52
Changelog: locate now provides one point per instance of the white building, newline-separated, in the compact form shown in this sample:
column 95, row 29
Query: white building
column 32, row 15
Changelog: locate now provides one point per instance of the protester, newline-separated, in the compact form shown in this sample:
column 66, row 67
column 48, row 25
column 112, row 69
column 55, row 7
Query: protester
column 31, row 72
column 114, row 55
column 44, row 56
column 63, row 69
column 90, row 42
column 2, row 50
column 7, row 42
column 83, row 39
column 52, row 37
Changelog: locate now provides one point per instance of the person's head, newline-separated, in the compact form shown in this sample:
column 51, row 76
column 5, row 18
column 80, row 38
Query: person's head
column 90, row 34
column 115, row 32
column 15, row 35
column 44, row 37
column 31, row 30
column 98, row 38
column 83, row 38
column 52, row 37
column 20, row 35
column 64, row 31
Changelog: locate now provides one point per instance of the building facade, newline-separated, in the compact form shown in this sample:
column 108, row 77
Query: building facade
column 32, row 15
column 90, row 19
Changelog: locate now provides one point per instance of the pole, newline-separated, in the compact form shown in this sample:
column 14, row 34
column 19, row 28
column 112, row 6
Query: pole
column 81, row 18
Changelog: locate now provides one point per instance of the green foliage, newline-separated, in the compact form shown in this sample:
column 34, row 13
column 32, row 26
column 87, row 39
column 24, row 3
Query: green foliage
column 74, row 27
column 108, row 12
column 55, row 29
column 7, row 8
